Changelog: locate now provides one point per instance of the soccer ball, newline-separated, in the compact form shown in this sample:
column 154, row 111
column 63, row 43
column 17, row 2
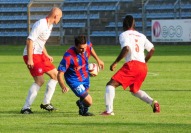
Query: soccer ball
column 93, row 69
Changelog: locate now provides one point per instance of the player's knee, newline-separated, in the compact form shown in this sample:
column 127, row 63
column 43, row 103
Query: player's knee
column 110, row 82
column 113, row 83
column 134, row 91
column 54, row 75
column 40, row 82
column 88, row 100
column 89, row 103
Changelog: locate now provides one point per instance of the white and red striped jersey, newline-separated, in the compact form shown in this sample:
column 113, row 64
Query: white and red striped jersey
column 137, row 43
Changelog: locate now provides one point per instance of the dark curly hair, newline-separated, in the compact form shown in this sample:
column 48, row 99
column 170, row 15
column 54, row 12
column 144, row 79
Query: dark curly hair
column 128, row 22
column 81, row 39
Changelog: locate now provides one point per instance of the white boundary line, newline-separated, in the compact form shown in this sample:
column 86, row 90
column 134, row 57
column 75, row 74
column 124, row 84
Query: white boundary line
column 152, row 74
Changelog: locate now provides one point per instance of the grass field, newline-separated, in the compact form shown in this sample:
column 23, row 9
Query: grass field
column 168, row 81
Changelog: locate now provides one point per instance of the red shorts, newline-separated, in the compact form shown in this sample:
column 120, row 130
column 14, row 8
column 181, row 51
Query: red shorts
column 132, row 74
column 42, row 64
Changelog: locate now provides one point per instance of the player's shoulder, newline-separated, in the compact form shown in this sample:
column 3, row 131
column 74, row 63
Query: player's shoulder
column 89, row 43
column 40, row 22
column 126, row 33
column 140, row 34
column 131, row 32
column 70, row 51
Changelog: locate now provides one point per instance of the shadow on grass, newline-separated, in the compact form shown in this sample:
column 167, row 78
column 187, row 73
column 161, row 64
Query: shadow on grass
column 169, row 90
column 126, row 124
column 37, row 113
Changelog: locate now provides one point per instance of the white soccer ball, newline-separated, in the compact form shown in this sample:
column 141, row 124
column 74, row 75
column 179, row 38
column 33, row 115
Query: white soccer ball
column 93, row 69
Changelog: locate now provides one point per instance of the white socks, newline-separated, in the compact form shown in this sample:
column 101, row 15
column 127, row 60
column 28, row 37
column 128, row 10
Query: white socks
column 31, row 95
column 143, row 96
column 50, row 88
column 109, row 97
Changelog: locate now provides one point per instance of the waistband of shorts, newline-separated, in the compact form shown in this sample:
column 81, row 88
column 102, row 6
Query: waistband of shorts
column 136, row 61
column 34, row 55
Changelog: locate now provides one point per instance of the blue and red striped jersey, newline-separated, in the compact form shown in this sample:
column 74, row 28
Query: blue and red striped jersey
column 75, row 66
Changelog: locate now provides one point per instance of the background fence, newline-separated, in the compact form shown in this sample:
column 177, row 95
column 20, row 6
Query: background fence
column 99, row 20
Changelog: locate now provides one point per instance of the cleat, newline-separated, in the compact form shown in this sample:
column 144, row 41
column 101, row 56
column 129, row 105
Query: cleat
column 107, row 114
column 88, row 114
column 48, row 107
column 26, row 111
column 156, row 107
column 80, row 106
column 82, row 109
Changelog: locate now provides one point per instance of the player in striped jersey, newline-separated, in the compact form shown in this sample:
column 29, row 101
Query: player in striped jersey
column 74, row 68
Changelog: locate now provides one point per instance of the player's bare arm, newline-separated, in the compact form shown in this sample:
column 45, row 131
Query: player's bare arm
column 99, row 61
column 61, row 82
column 149, row 54
column 46, row 53
column 30, row 62
column 122, row 54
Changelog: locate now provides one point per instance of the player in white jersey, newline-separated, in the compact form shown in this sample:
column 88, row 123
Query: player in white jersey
column 39, row 61
column 134, row 70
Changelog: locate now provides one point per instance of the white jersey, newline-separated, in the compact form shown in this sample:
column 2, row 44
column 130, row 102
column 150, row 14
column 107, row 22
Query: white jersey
column 137, row 43
column 39, row 35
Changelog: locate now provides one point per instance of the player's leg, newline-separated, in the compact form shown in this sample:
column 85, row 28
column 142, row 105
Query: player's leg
column 84, row 104
column 52, row 72
column 146, row 98
column 143, row 96
column 50, row 89
column 135, row 88
column 109, row 96
column 37, row 74
column 32, row 93
column 85, row 100
column 121, row 78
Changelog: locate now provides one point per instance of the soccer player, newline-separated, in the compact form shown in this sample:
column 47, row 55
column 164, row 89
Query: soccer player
column 134, row 71
column 74, row 68
column 39, row 61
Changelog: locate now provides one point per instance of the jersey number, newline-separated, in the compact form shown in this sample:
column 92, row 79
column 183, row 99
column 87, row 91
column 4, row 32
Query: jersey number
column 136, row 46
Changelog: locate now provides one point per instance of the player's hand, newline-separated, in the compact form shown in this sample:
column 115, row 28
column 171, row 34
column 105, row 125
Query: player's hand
column 65, row 89
column 51, row 58
column 30, row 64
column 101, row 64
column 113, row 66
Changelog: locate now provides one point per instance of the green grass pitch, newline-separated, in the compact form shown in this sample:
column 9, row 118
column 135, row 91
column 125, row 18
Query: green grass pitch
column 168, row 81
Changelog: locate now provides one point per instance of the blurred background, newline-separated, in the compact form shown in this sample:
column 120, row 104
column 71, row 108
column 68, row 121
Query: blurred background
column 99, row 20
